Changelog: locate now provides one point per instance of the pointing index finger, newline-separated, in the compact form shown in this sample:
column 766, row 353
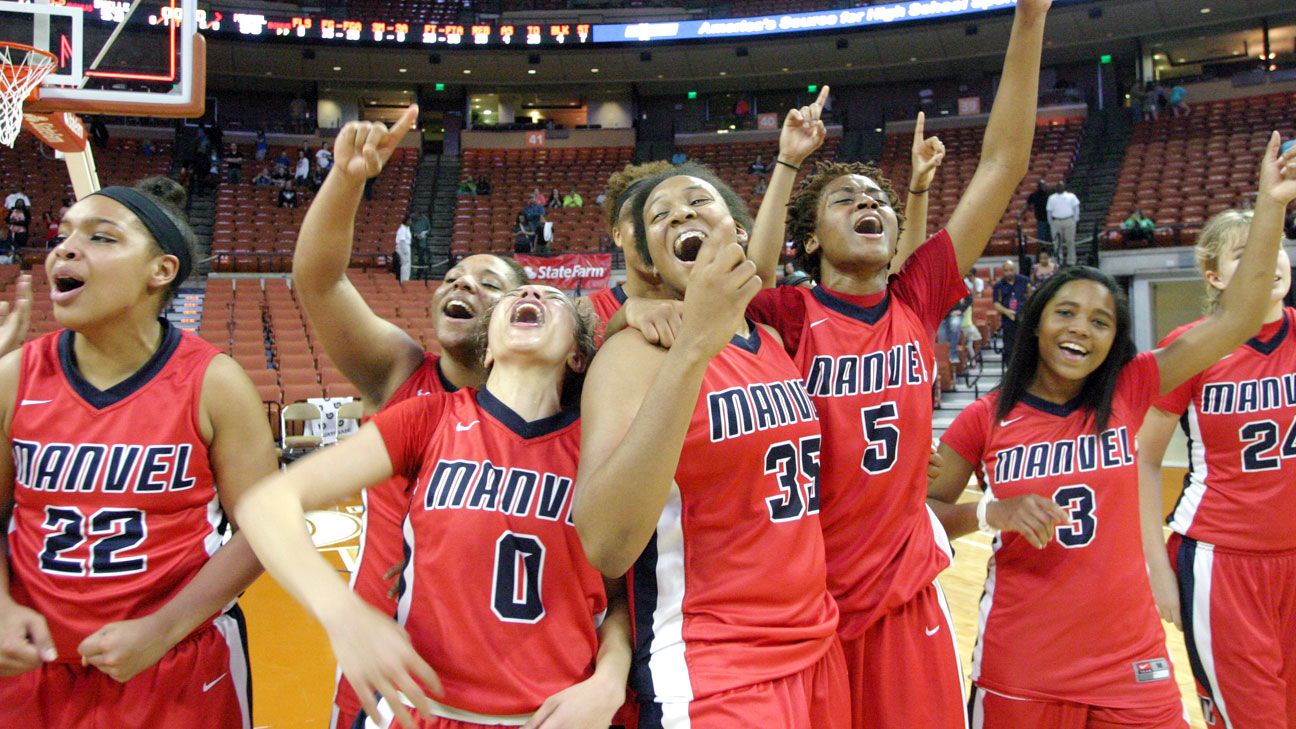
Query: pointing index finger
column 918, row 128
column 405, row 122
column 823, row 96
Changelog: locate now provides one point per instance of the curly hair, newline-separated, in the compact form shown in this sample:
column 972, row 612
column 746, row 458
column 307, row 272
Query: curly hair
column 639, row 199
column 620, row 183
column 586, row 325
column 803, row 209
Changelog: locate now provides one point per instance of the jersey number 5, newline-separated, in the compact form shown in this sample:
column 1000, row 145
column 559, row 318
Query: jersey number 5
column 118, row 530
column 883, row 439
column 1078, row 502
column 519, row 569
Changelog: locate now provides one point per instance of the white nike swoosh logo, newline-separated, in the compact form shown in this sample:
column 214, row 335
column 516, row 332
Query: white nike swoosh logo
column 34, row 402
column 814, row 324
column 207, row 686
column 461, row 427
column 1004, row 423
column 932, row 631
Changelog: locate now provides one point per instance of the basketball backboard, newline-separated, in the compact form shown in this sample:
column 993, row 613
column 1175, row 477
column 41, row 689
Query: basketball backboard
column 133, row 58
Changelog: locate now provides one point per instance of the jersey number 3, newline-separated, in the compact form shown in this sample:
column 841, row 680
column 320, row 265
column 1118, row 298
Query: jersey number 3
column 117, row 530
column 794, row 463
column 1078, row 502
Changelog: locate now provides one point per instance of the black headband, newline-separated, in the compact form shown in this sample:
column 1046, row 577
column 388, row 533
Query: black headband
column 624, row 198
column 163, row 229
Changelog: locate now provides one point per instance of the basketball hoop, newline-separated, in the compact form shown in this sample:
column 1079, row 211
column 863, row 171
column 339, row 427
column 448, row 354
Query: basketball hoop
column 22, row 68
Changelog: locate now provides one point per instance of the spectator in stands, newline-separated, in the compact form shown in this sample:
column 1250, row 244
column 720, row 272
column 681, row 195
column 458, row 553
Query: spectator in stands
column 17, row 195
column 1063, row 214
column 98, row 131
column 262, row 145
column 263, row 177
column 742, row 108
column 19, row 218
column 573, row 199
column 404, row 254
column 524, row 235
column 297, row 113
column 679, row 157
column 601, row 198
column 281, row 164
column 951, row 327
column 323, row 158
column 1009, row 297
column 544, row 236
column 757, row 167
column 422, row 229
column 1037, row 203
column 555, row 199
column 1043, row 269
column 539, row 197
column 760, row 187
column 1150, row 108
column 67, row 204
column 146, row 148
column 287, row 194
column 1179, row 101
column 302, row 175
column 317, row 179
column 468, row 187
column 534, row 211
column 1162, row 98
column 483, row 186
column 234, row 164
column 1138, row 226
column 8, row 253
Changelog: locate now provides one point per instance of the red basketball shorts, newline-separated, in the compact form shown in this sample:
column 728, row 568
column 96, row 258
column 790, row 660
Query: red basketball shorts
column 996, row 711
column 1239, row 618
column 904, row 668
column 204, row 681
column 814, row 698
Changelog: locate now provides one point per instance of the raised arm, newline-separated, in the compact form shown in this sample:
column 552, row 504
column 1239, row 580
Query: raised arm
column 1153, row 438
column 373, row 652
column 373, row 353
column 1005, row 150
column 15, row 320
column 241, row 452
column 926, row 156
column 637, row 404
column 1246, row 298
column 803, row 133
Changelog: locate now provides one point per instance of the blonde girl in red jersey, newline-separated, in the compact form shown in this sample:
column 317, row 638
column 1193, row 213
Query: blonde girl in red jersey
column 126, row 444
column 1227, row 578
column 1070, row 635
column 497, row 596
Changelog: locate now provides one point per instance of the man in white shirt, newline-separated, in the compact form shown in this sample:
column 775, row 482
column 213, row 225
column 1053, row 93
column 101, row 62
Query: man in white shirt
column 323, row 159
column 1064, row 213
column 303, row 169
column 14, row 197
column 403, row 239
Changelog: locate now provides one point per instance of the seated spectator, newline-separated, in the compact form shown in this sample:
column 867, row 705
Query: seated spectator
column 1179, row 101
column 19, row 218
column 8, row 252
column 1138, row 226
column 467, row 187
column 1043, row 269
column 14, row 197
column 757, row 167
column 555, row 199
column 288, row 195
column 302, row 174
column 483, row 186
column 323, row 159
column 146, row 148
column 524, row 235
column 234, row 164
column 760, row 187
column 51, row 227
column 262, row 145
column 317, row 179
column 573, row 199
column 679, row 158
column 263, row 177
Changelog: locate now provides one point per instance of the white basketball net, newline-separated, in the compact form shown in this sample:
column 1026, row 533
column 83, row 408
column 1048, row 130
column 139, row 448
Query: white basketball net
column 22, row 68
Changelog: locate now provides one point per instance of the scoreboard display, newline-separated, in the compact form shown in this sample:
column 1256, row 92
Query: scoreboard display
column 319, row 28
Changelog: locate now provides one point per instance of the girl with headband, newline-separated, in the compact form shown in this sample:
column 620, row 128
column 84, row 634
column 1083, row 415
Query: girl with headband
column 124, row 446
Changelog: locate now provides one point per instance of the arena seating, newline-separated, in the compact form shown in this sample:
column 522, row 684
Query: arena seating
column 1180, row 172
column 1052, row 156
column 485, row 222
column 259, row 323
column 732, row 161
column 252, row 234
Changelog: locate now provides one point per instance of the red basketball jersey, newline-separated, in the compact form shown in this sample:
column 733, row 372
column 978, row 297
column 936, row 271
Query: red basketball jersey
column 730, row 590
column 385, row 504
column 115, row 509
column 497, row 595
column 867, row 363
column 1240, row 418
column 1074, row 621
column 606, row 303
